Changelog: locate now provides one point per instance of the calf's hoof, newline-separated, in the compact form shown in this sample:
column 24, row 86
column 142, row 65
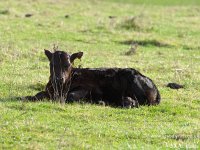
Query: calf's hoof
column 128, row 102
column 102, row 103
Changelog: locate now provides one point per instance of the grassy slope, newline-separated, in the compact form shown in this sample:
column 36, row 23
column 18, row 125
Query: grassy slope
column 169, row 52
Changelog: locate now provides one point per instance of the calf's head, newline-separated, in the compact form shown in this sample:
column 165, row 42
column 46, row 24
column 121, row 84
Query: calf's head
column 61, row 66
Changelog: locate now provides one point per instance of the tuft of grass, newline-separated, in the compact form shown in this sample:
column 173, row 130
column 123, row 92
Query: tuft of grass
column 137, row 23
column 4, row 12
column 131, row 23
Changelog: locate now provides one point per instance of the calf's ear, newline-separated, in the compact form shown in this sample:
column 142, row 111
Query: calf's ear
column 48, row 54
column 76, row 55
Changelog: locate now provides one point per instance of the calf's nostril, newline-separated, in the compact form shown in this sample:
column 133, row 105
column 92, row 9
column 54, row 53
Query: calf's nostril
column 59, row 79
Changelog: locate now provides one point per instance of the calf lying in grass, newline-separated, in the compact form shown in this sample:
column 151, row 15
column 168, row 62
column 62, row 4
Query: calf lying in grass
column 114, row 86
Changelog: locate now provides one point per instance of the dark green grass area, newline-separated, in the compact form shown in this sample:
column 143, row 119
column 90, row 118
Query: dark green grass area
column 167, row 34
column 161, row 2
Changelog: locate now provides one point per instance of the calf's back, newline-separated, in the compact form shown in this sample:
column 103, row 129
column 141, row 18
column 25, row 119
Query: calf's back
column 112, row 84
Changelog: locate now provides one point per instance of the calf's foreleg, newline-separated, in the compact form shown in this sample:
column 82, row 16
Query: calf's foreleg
column 39, row 96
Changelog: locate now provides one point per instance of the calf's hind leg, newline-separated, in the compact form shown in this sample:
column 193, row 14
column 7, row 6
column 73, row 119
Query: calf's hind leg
column 75, row 96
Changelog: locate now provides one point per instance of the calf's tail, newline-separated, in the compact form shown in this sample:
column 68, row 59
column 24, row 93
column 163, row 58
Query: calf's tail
column 158, row 97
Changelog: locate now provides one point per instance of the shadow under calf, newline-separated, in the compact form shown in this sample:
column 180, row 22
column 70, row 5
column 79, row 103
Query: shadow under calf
column 124, row 87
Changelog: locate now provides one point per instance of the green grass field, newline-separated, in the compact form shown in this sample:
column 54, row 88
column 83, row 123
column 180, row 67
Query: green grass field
column 168, row 35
